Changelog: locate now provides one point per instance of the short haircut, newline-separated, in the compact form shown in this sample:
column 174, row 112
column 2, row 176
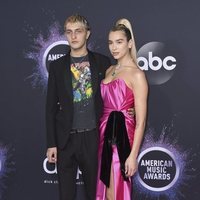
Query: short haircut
column 77, row 18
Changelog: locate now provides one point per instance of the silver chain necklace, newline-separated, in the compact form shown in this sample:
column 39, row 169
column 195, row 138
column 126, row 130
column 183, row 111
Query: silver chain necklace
column 76, row 64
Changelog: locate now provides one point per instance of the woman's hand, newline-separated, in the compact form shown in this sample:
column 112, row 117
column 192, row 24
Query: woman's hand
column 131, row 166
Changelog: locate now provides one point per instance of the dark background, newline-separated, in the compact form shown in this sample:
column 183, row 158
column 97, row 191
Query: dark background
column 22, row 126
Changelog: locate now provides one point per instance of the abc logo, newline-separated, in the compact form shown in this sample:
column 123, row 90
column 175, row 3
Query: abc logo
column 49, row 168
column 153, row 58
column 52, row 169
column 155, row 63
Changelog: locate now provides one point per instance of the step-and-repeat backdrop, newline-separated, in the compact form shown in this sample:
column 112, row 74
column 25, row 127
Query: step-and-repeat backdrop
column 167, row 37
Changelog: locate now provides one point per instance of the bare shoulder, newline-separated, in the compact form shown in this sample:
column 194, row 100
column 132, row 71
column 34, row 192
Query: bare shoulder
column 134, row 72
column 136, row 76
column 137, row 73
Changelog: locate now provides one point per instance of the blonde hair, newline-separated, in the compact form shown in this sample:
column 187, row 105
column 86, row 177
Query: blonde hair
column 127, row 24
column 77, row 18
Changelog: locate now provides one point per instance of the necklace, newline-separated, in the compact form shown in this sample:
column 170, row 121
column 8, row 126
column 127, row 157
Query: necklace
column 115, row 69
column 76, row 62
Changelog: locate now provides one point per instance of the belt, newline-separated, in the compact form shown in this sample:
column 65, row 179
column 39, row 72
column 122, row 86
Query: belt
column 73, row 131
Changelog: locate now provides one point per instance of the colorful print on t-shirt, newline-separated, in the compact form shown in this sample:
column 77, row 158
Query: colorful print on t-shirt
column 81, row 81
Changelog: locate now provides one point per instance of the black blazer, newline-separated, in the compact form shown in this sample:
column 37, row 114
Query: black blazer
column 59, row 101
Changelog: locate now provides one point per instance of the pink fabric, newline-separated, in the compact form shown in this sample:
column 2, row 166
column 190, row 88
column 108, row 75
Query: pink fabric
column 119, row 97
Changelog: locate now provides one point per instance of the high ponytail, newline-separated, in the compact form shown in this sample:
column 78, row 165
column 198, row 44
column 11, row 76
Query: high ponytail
column 127, row 24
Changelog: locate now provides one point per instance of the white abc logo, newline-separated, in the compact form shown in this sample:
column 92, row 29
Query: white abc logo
column 45, row 167
column 54, row 170
column 156, row 60
column 155, row 63
column 78, row 173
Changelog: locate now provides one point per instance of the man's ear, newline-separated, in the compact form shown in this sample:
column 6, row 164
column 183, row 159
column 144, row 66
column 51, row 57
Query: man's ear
column 88, row 34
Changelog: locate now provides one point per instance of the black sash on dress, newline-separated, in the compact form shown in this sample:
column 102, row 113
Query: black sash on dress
column 115, row 134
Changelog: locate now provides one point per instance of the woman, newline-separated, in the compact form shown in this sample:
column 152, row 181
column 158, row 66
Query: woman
column 124, row 86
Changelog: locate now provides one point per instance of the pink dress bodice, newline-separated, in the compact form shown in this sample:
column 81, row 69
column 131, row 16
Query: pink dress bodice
column 117, row 96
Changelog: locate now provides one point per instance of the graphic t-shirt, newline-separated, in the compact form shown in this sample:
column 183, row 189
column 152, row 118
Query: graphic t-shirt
column 84, row 115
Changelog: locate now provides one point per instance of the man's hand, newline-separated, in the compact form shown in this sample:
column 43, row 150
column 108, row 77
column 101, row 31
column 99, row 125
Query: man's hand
column 52, row 154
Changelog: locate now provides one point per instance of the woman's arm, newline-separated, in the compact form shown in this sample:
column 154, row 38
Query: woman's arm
column 140, row 90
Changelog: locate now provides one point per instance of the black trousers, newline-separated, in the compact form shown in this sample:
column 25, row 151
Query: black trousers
column 80, row 151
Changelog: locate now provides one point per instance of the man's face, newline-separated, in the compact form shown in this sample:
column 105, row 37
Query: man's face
column 77, row 35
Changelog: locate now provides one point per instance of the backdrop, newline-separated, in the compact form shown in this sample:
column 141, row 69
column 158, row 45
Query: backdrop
column 167, row 40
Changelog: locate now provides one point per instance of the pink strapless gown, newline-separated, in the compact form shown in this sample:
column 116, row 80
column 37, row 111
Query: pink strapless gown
column 117, row 96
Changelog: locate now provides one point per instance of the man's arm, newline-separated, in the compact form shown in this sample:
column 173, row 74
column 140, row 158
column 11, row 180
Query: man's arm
column 51, row 109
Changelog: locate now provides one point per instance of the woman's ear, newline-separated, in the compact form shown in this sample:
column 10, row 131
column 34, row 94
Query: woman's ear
column 130, row 43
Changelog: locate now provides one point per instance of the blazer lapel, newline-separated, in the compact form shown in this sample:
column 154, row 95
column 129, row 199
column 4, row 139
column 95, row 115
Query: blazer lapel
column 68, row 76
column 94, row 71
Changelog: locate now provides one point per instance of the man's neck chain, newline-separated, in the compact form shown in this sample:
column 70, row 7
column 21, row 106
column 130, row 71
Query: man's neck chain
column 77, row 63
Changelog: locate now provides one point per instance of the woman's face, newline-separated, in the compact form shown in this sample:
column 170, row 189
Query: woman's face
column 118, row 44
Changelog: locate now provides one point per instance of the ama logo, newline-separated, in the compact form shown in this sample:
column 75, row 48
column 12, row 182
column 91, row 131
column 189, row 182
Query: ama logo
column 158, row 64
column 158, row 169
column 53, row 52
column 45, row 50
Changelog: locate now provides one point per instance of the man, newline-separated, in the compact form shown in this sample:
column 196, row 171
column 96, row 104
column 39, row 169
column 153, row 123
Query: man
column 73, row 109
